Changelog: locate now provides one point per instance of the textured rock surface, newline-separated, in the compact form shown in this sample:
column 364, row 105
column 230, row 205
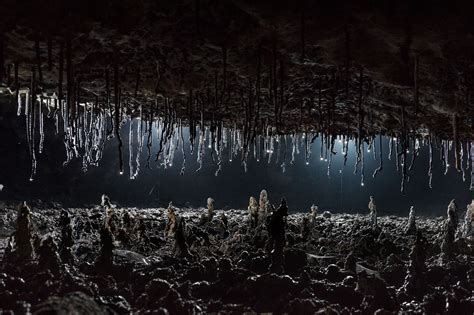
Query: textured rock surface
column 301, row 61
column 229, row 273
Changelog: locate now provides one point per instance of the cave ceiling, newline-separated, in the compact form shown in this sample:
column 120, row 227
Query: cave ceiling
column 345, row 67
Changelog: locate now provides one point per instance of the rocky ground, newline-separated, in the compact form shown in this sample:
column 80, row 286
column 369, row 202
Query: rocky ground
column 338, row 264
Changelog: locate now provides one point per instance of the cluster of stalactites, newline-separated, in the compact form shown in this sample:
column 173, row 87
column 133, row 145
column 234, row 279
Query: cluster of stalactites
column 84, row 136
column 86, row 127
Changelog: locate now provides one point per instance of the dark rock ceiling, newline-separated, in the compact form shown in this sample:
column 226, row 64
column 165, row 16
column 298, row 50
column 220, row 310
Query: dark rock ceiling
column 294, row 65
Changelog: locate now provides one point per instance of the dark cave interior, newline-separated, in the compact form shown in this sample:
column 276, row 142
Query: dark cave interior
column 260, row 157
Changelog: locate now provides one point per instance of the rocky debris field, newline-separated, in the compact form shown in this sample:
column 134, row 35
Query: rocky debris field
column 107, row 259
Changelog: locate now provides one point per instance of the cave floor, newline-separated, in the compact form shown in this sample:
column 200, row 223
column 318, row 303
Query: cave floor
column 227, row 269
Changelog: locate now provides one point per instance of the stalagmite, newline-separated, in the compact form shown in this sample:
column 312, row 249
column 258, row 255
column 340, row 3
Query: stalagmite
column 264, row 207
column 180, row 247
column 468, row 225
column 253, row 212
column 373, row 212
column 105, row 259
column 276, row 240
column 171, row 225
column 411, row 226
column 313, row 213
column 207, row 217
column 415, row 280
column 449, row 232
column 67, row 240
column 23, row 233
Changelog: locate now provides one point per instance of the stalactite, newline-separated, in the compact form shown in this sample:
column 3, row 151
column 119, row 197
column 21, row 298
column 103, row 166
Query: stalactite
column 60, row 75
column 220, row 147
column 108, row 103
column 469, row 157
column 358, row 157
column 117, row 115
column 397, row 154
column 457, row 163
column 380, row 167
column 320, row 110
column 70, row 82
column 415, row 153
column 140, row 142
column 374, row 151
column 32, row 125
column 150, row 136
column 282, row 95
column 41, row 126
column 285, row 144
column 307, row 148
column 362, row 168
column 360, row 118
column 130, row 149
column 472, row 166
column 19, row 102
column 430, row 168
column 294, row 140
column 328, row 172
column 463, row 170
column 390, row 145
column 271, row 147
column 163, row 137
column 278, row 148
column 259, row 147
column 77, row 120
column 192, row 127
column 445, row 145
column 201, row 144
column 231, row 144
column 183, row 165
column 345, row 149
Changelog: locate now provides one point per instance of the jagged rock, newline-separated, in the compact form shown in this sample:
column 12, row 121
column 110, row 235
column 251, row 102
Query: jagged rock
column 326, row 214
column 73, row 303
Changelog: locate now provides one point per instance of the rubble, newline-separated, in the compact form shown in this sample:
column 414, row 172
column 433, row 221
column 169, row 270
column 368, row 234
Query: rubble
column 217, row 267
